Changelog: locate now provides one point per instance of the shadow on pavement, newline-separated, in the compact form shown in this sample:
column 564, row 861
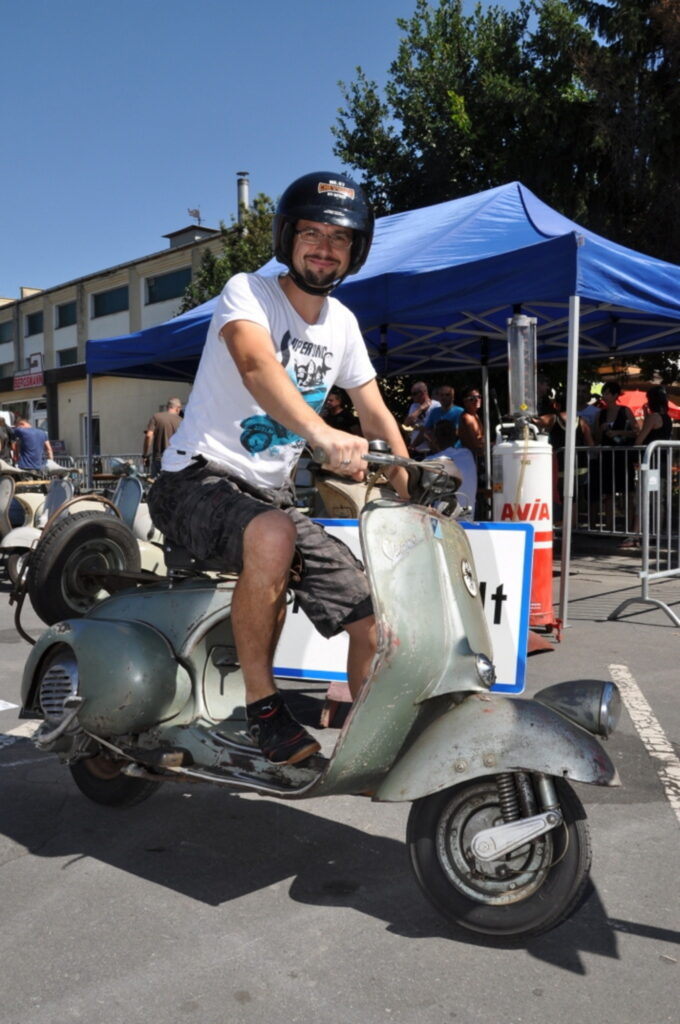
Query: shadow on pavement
column 214, row 847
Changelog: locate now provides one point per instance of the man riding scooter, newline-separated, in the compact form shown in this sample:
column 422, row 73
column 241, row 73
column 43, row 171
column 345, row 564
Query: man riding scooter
column 229, row 501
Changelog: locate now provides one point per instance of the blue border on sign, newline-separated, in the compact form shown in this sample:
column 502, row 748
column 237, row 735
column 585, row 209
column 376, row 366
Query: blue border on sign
column 337, row 522
column 523, row 634
column 304, row 673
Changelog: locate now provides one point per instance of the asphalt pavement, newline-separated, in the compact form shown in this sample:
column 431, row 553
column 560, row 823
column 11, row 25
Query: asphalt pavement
column 207, row 907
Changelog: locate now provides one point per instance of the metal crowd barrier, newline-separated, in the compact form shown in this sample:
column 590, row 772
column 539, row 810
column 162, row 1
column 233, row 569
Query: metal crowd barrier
column 659, row 493
column 606, row 488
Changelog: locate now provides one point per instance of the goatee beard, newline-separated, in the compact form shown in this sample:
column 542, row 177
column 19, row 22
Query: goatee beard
column 318, row 280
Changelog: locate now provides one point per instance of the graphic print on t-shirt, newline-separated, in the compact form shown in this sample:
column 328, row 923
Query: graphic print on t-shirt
column 308, row 365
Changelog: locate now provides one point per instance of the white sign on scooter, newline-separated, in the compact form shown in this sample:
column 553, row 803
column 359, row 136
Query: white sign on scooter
column 502, row 554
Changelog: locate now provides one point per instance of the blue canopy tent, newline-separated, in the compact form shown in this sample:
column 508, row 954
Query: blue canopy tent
column 441, row 282
column 438, row 289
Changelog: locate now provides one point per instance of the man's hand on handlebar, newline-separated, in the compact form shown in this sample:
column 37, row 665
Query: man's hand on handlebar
column 342, row 453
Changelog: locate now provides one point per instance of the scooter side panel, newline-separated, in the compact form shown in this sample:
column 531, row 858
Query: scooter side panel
column 183, row 612
column 127, row 675
column 485, row 735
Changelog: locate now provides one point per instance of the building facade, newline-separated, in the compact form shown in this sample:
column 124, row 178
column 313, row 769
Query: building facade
column 43, row 336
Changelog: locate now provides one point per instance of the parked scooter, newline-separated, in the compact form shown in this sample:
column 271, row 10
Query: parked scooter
column 89, row 545
column 27, row 501
column 146, row 688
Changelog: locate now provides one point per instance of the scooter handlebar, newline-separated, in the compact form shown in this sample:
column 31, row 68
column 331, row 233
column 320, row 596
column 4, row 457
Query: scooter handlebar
column 429, row 481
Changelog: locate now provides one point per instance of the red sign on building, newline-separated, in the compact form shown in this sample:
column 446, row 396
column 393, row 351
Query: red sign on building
column 28, row 380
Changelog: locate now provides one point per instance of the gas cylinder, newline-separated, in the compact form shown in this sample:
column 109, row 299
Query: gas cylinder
column 522, row 493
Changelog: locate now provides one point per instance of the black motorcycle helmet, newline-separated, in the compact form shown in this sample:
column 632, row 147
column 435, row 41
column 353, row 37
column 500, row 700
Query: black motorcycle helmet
column 328, row 198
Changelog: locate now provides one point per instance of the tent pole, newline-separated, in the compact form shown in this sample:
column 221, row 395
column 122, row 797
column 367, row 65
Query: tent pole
column 486, row 412
column 569, row 446
column 89, row 433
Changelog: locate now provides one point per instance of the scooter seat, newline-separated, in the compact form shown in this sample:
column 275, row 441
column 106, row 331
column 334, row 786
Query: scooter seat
column 180, row 559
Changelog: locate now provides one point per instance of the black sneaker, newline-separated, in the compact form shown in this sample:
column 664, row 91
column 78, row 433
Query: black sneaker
column 281, row 739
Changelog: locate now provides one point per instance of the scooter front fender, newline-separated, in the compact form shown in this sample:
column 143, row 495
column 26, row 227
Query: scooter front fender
column 486, row 734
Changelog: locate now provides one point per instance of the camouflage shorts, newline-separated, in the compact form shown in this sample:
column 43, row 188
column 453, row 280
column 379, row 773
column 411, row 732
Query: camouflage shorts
column 206, row 510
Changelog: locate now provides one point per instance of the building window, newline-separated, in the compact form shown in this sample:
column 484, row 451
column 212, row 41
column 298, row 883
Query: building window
column 67, row 356
column 66, row 314
column 34, row 323
column 162, row 287
column 6, row 369
column 6, row 331
column 114, row 301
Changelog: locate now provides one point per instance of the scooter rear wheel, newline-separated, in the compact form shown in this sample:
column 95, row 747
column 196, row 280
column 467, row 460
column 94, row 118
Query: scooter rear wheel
column 521, row 895
column 62, row 576
column 100, row 779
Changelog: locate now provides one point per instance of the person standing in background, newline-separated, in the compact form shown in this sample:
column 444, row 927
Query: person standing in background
column 446, row 410
column 470, row 427
column 418, row 411
column 160, row 429
column 338, row 413
column 30, row 445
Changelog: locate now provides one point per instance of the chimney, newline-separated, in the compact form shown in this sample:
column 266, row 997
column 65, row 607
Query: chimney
column 243, row 186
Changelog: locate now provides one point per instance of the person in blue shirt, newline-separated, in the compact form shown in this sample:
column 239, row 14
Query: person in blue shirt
column 30, row 446
column 446, row 410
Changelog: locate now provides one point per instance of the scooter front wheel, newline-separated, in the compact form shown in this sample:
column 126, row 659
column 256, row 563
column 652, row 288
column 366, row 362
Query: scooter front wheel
column 101, row 779
column 515, row 897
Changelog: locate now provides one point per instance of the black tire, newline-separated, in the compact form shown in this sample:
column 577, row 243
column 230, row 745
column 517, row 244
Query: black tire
column 58, row 582
column 545, row 880
column 100, row 779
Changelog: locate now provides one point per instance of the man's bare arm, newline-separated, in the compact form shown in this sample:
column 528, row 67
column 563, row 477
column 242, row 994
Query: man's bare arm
column 251, row 348
column 378, row 423
column 148, row 443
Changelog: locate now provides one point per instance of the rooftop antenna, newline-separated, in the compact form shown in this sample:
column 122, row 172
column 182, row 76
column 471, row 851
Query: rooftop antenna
column 197, row 214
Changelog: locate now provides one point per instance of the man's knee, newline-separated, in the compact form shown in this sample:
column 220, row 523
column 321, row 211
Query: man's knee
column 269, row 542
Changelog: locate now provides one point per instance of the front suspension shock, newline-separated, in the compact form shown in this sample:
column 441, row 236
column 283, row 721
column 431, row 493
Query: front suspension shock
column 507, row 797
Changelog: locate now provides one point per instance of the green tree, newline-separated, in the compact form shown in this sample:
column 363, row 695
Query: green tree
column 246, row 246
column 632, row 67
column 577, row 99
column 471, row 102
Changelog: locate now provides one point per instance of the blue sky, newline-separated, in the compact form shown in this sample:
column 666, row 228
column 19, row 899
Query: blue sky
column 117, row 117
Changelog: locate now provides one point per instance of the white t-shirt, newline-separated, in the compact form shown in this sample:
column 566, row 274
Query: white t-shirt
column 424, row 444
column 467, row 466
column 222, row 420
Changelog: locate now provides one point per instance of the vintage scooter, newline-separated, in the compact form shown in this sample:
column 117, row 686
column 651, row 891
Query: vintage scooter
column 146, row 688
column 86, row 538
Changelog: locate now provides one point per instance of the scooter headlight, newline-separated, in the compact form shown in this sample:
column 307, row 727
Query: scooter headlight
column 593, row 704
column 610, row 709
column 485, row 670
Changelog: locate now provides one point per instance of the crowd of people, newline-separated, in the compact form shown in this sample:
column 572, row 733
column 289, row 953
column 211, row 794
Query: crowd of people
column 435, row 424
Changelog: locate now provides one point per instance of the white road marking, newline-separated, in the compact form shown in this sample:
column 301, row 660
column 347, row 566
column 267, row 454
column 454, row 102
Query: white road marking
column 6, row 706
column 650, row 732
column 24, row 730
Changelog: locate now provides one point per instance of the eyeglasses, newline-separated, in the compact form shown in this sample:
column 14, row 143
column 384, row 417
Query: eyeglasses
column 336, row 239
column 473, row 398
